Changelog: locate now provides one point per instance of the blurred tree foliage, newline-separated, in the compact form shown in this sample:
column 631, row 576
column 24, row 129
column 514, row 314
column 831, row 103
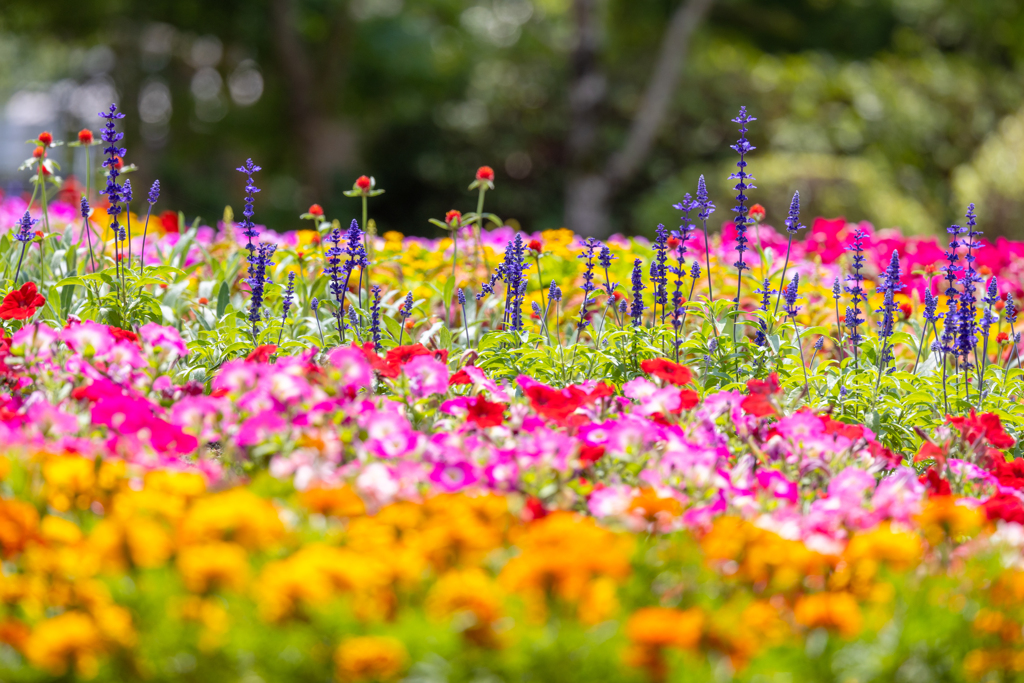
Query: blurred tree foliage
column 894, row 111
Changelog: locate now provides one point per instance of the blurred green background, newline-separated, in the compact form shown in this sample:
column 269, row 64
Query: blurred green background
column 898, row 112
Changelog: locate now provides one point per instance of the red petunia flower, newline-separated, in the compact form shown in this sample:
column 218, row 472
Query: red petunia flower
column 674, row 373
column 460, row 377
column 986, row 425
column 756, row 212
column 535, row 246
column 316, row 210
column 122, row 335
column 261, row 354
column 400, row 355
column 484, row 413
column 85, row 136
column 906, row 309
column 1009, row 473
column 22, row 303
column 758, row 402
column 169, row 221
column 46, row 138
column 363, row 183
column 934, row 483
column 485, row 173
column 590, row 454
column 551, row 403
column 453, row 218
column 1004, row 506
column 930, row 451
column 534, row 510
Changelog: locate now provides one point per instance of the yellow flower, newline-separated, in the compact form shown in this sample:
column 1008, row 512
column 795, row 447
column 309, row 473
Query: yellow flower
column 18, row 524
column 184, row 484
column 215, row 565
column 943, row 518
column 468, row 592
column 211, row 615
column 370, row 658
column 337, row 502
column 238, row 515
column 69, row 482
column 68, row 640
column 836, row 611
column 653, row 629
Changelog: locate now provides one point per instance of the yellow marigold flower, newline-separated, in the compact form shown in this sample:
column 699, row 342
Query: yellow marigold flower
column 211, row 566
column 184, row 484
column 60, row 531
column 68, row 640
column 468, row 592
column 211, row 614
column 70, row 481
column 312, row 576
column 370, row 658
column 18, row 524
column 652, row 507
column 5, row 467
column 337, row 502
column 899, row 549
column 238, row 515
column 835, row 611
column 666, row 627
column 943, row 518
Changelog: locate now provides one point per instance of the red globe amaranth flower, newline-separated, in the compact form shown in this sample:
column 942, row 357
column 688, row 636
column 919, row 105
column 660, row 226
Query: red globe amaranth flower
column 756, row 212
column 453, row 217
column 484, row 413
column 38, row 152
column 261, row 354
column 22, row 303
column 316, row 210
column 906, row 309
column 930, row 269
column 672, row 243
column 485, row 173
column 169, row 221
column 45, row 169
column 85, row 136
column 203, row 301
column 535, row 246
column 664, row 369
column 363, row 183
column 46, row 138
column 118, row 163
column 1002, row 337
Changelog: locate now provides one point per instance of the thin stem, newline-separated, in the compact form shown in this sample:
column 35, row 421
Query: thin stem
column 920, row 347
column 707, row 269
column 142, row 253
column 782, row 280
column 800, row 347
column 465, row 322
column 316, row 314
column 18, row 271
column 482, row 253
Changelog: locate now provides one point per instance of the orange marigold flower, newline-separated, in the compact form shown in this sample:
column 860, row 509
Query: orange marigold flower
column 370, row 658
column 337, row 502
column 835, row 611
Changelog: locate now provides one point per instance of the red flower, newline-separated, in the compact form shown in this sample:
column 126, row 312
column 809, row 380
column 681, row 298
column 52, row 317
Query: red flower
column 316, row 210
column 1005, row 506
column 533, row 510
column 46, row 138
column 986, row 425
column 672, row 243
column 765, row 387
column 484, row 413
column 400, row 355
column 261, row 354
column 837, row 428
column 1009, row 473
column 363, row 183
column 757, row 405
column 590, row 454
column 688, row 398
column 551, row 403
column 535, row 246
column 122, row 335
column 45, row 170
column 22, row 303
column 936, row 485
column 1002, row 337
column 453, row 218
column 38, row 152
column 118, row 163
column 485, row 173
column 674, row 373
column 930, row 451
column 906, row 309
column 756, row 212
column 460, row 377
column 169, row 221
column 203, row 301
column 85, row 136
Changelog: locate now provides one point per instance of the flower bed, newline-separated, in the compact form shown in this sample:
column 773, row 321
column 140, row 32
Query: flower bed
column 235, row 453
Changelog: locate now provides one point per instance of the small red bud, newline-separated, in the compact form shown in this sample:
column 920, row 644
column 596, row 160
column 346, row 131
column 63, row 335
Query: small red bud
column 85, row 136
column 363, row 183
column 203, row 301
column 756, row 212
column 673, row 242
column 485, row 173
column 316, row 210
column 1002, row 337
column 46, row 138
column 39, row 152
column 453, row 217
column 536, row 246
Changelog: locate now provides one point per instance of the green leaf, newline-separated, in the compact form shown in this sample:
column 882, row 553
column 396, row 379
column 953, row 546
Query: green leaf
column 223, row 298
column 449, row 288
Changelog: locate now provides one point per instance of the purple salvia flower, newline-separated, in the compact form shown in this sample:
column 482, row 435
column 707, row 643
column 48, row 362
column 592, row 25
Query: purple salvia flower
column 636, row 311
